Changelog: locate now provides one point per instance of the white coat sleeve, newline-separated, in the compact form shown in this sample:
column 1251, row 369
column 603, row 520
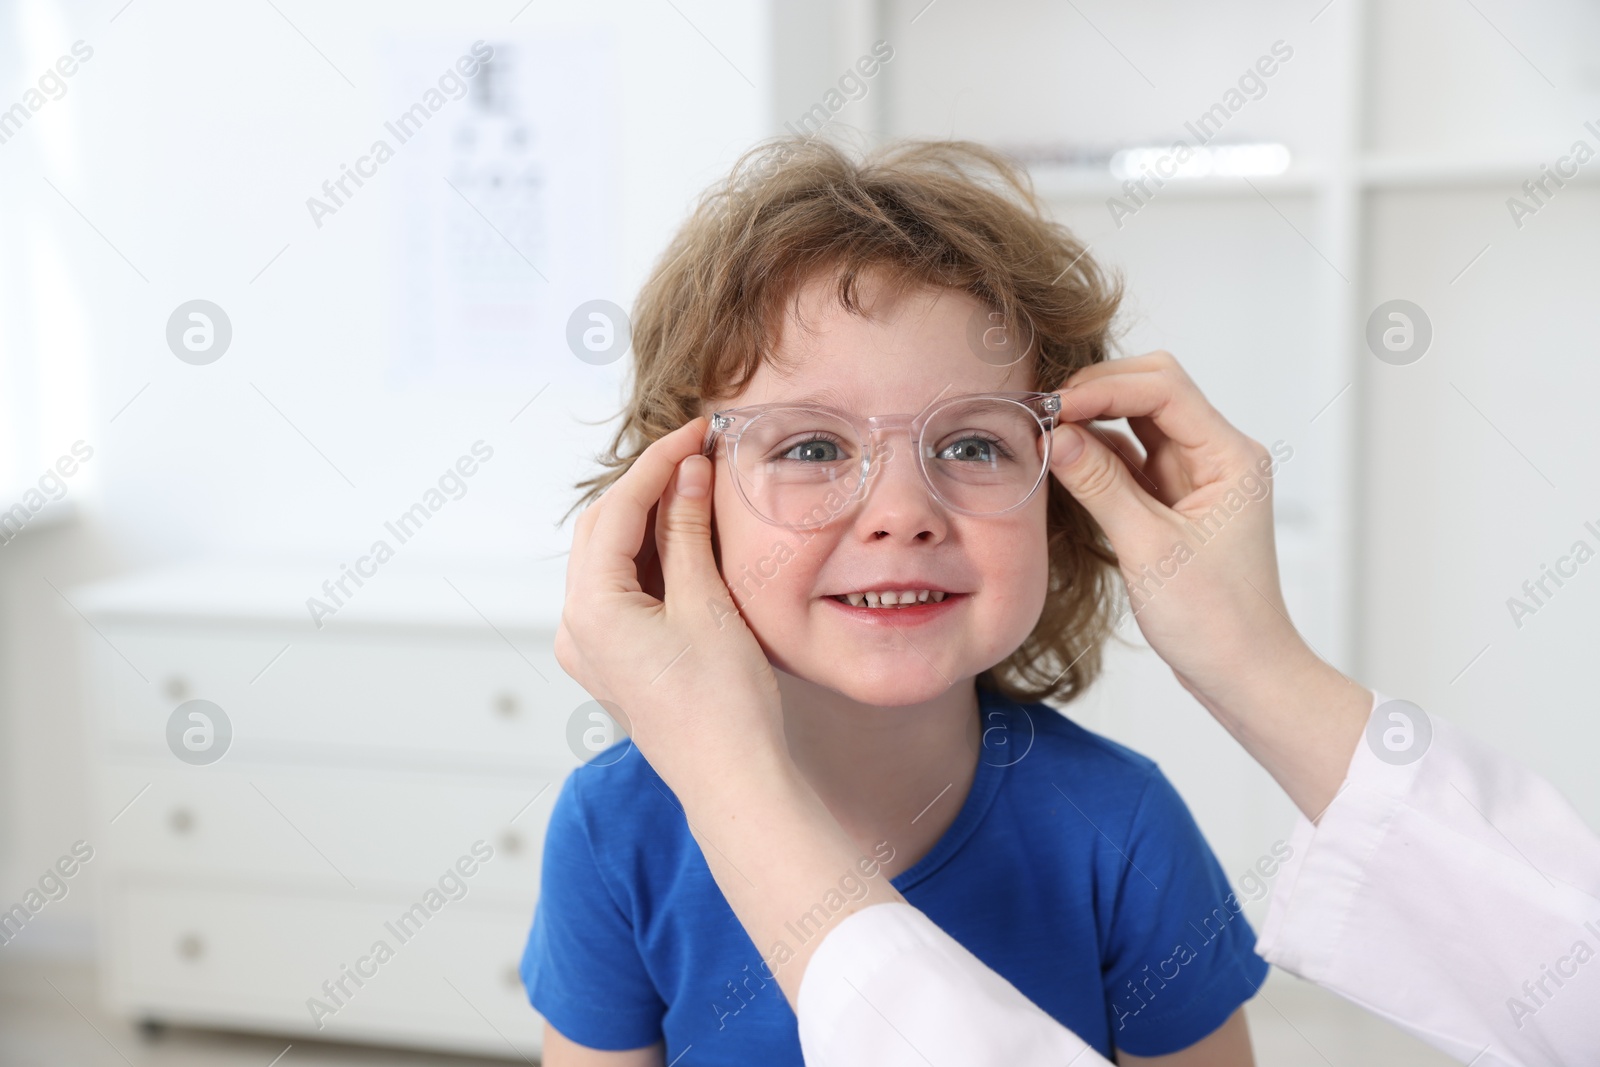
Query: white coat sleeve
column 1457, row 895
column 888, row 988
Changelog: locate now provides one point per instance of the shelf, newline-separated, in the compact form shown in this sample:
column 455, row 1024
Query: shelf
column 1072, row 183
column 1395, row 171
column 521, row 597
column 1370, row 172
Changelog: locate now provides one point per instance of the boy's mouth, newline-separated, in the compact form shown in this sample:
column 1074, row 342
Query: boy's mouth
column 873, row 609
column 892, row 598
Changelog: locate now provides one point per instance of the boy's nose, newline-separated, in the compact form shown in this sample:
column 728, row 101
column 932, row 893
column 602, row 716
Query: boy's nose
column 898, row 501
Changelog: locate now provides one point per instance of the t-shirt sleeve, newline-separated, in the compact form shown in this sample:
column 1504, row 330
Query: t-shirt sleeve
column 1180, row 954
column 581, row 967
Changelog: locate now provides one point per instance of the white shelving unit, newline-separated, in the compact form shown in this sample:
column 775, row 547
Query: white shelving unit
column 387, row 780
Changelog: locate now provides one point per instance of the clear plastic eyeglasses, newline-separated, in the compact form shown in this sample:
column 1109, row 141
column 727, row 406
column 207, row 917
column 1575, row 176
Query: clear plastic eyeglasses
column 804, row 466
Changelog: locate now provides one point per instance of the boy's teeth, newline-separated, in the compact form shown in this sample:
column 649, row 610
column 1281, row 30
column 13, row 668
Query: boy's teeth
column 893, row 599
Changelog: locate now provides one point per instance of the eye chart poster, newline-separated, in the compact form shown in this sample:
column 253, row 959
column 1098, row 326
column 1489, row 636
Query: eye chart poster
column 504, row 213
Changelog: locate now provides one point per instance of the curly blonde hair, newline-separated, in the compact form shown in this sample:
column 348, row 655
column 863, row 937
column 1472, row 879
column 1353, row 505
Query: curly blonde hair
column 935, row 214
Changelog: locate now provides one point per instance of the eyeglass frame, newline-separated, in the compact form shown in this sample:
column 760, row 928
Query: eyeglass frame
column 866, row 430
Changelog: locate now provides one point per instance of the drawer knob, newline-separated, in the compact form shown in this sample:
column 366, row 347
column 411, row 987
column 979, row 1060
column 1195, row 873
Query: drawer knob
column 181, row 820
column 507, row 705
column 513, row 977
column 177, row 687
column 191, row 946
column 511, row 843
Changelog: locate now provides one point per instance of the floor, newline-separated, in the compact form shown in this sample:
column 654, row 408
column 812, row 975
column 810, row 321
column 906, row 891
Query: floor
column 1296, row 1024
column 49, row 1018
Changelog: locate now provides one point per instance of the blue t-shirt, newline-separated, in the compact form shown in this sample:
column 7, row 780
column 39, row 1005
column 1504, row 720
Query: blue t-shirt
column 1073, row 869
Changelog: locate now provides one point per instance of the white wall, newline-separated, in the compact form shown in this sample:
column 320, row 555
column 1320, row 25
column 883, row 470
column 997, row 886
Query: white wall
column 1479, row 459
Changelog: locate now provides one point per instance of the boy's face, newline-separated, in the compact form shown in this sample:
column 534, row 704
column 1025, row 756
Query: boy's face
column 906, row 354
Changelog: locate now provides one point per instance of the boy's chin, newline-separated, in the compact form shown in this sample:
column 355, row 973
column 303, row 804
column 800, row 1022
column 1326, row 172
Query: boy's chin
column 888, row 685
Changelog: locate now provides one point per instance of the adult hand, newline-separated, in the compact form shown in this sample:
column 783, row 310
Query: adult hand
column 648, row 624
column 1191, row 523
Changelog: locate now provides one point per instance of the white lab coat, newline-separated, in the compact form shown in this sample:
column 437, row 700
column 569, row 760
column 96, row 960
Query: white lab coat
column 1457, row 896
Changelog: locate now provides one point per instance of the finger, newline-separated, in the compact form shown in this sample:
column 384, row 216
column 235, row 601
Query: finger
column 582, row 530
column 683, row 532
column 1146, row 429
column 1151, row 362
column 580, row 539
column 1125, row 447
column 1122, row 444
column 1171, row 404
column 1160, row 359
column 646, row 564
column 1099, row 480
column 1148, row 433
column 619, row 529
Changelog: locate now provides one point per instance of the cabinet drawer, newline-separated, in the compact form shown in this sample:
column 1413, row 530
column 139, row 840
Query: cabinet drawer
column 252, row 961
column 416, row 695
column 315, row 828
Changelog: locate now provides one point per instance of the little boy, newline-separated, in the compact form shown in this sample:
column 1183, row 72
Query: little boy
column 878, row 341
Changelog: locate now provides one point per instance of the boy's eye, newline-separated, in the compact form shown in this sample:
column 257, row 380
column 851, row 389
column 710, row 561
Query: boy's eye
column 816, row 450
column 975, row 448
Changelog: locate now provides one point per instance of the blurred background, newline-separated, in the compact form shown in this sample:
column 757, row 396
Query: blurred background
column 282, row 282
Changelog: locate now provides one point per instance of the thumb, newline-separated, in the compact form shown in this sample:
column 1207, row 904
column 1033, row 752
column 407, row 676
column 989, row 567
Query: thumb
column 683, row 535
column 1099, row 480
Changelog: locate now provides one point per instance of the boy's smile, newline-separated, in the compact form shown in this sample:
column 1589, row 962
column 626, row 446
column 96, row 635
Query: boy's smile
column 815, row 599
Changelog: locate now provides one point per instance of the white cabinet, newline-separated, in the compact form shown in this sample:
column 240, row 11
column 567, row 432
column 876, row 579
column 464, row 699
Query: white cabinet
column 386, row 782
